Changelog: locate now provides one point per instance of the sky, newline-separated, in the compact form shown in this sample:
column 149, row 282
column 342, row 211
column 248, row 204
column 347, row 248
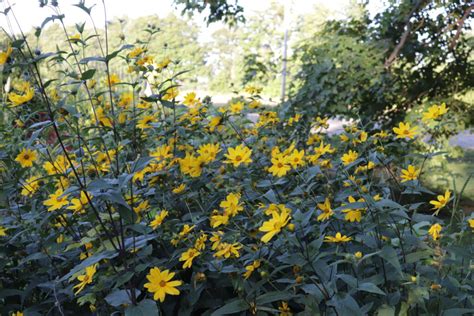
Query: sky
column 30, row 15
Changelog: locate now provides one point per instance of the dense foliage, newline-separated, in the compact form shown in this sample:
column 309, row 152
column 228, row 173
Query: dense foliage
column 121, row 195
column 410, row 54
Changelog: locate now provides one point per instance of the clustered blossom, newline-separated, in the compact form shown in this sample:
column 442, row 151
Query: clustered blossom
column 210, row 193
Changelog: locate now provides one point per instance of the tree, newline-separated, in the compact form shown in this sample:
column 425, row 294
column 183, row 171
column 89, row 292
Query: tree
column 377, row 68
column 219, row 10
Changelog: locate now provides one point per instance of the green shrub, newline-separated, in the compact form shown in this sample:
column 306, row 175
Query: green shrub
column 117, row 200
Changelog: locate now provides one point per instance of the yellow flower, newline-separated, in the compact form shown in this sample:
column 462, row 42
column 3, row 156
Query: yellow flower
column 191, row 165
column 60, row 239
column 180, row 188
column 294, row 119
column 144, row 123
column 214, row 122
column 216, row 239
column 323, row 149
column 75, row 37
column 188, row 257
column 190, row 99
column 164, row 63
column 358, row 255
column 218, row 220
column 141, row 207
column 126, row 99
column 435, row 231
column 78, row 205
column 404, row 131
column 86, row 278
column 410, row 173
column 353, row 215
column 362, row 137
column 4, row 55
column 186, row 230
column 238, row 155
column 200, row 243
column 231, row 204
column 91, row 83
column 18, row 313
column 441, row 201
column 30, row 186
column 296, row 158
column 208, row 152
column 170, row 94
column 251, row 268
column 226, row 250
column 369, row 166
column 252, row 90
column 338, row 238
column 434, row 112
column 113, row 79
column 327, row 210
column 255, row 104
column 274, row 225
column 25, row 93
column 237, row 107
column 102, row 118
column 285, row 309
column 158, row 220
column 349, row 157
column 471, row 223
column 135, row 52
column 160, row 284
column 344, row 138
column 162, row 152
column 56, row 200
column 26, row 157
column 144, row 105
column 322, row 122
column 280, row 165
column 3, row 231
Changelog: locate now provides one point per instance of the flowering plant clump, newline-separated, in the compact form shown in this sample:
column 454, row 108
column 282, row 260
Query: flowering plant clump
column 121, row 194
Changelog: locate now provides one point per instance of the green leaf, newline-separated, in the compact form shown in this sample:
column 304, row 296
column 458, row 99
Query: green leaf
column 271, row 196
column 371, row 288
column 90, row 261
column 92, row 58
column 418, row 256
column 458, row 311
column 88, row 74
column 119, row 297
column 272, row 297
column 141, row 163
column 345, row 305
column 51, row 18
column 144, row 308
column 235, row 306
column 112, row 55
column 167, row 104
column 385, row 310
column 390, row 255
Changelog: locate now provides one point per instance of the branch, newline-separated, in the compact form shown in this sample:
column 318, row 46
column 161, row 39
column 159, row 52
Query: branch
column 403, row 39
column 460, row 24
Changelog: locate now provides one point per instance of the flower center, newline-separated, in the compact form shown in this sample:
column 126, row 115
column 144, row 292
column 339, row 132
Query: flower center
column 238, row 158
column 162, row 283
column 26, row 156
